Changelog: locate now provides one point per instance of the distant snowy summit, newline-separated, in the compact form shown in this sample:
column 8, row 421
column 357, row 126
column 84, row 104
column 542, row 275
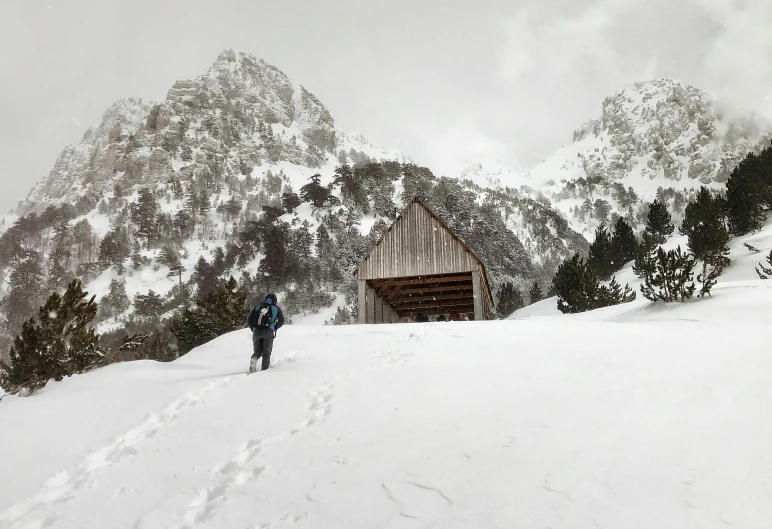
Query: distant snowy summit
column 489, row 174
column 242, row 113
column 656, row 138
column 661, row 131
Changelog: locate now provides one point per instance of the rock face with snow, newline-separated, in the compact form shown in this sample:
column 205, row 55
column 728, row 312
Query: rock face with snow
column 669, row 130
column 242, row 113
column 95, row 162
column 660, row 138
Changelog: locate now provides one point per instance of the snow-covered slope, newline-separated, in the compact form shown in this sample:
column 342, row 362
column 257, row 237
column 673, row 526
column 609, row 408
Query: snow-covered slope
column 739, row 296
column 490, row 173
column 634, row 416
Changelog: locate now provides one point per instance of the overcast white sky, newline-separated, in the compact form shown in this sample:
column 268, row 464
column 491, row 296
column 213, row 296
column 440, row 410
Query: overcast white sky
column 442, row 80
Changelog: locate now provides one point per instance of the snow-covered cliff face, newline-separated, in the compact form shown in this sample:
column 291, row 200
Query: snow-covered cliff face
column 666, row 130
column 94, row 162
column 658, row 138
column 240, row 114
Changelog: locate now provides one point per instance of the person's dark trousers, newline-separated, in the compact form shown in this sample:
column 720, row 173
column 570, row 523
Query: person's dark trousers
column 262, row 344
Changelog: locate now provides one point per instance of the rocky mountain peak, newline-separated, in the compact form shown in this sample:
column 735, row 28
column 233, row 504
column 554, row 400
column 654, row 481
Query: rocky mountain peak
column 669, row 130
column 239, row 82
column 241, row 113
column 677, row 124
column 124, row 116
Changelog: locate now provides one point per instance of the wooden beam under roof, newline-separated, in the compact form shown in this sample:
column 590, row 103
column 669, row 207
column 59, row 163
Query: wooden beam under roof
column 438, row 310
column 427, row 290
column 431, row 297
column 429, row 304
column 427, row 280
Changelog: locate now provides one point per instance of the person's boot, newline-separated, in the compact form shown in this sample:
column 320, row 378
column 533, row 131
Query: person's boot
column 253, row 364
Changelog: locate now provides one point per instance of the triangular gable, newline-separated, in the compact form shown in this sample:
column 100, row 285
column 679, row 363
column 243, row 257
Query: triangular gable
column 418, row 243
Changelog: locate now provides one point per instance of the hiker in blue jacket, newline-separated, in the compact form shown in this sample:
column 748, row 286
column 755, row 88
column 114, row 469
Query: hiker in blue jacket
column 264, row 320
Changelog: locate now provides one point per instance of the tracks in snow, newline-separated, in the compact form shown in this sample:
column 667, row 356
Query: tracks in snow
column 412, row 505
column 245, row 466
column 67, row 485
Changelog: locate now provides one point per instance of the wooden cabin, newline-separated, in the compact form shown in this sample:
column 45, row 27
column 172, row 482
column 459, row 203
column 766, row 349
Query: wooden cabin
column 420, row 266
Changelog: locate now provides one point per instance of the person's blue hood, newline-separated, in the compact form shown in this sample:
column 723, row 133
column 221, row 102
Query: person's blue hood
column 270, row 299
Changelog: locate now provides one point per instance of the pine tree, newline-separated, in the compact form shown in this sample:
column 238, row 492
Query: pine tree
column 25, row 291
column 765, row 272
column 612, row 294
column 623, row 244
column 176, row 270
column 218, row 312
column 184, row 226
column 226, row 307
column 61, row 343
column 703, row 223
column 275, row 244
column 83, row 237
column 143, row 215
column 601, row 256
column 749, row 193
column 314, row 192
column 204, row 277
column 153, row 346
column 667, row 276
column 535, row 294
column 148, row 305
column 576, row 285
column 342, row 316
column 290, row 201
column 601, row 210
column 204, row 202
column 659, row 224
column 219, row 262
column 509, row 299
column 551, row 290
column 579, row 290
column 28, row 367
column 114, row 249
column 116, row 301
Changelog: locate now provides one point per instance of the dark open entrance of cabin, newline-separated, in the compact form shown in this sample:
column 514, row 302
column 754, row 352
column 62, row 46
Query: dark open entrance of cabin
column 429, row 295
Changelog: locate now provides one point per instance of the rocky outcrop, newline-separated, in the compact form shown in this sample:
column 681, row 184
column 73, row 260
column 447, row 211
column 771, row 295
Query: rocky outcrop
column 241, row 113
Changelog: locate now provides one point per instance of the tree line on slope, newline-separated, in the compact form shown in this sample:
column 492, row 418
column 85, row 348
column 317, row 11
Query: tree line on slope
column 46, row 253
column 709, row 222
column 61, row 341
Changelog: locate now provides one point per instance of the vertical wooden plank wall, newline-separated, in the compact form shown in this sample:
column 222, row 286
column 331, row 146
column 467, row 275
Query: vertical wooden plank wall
column 378, row 308
column 477, row 291
column 372, row 308
column 362, row 301
column 370, row 305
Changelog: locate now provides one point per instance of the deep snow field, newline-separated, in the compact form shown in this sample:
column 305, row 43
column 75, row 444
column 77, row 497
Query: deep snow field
column 644, row 415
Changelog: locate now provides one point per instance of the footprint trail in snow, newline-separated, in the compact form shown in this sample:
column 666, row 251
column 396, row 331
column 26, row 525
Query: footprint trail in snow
column 69, row 484
column 246, row 467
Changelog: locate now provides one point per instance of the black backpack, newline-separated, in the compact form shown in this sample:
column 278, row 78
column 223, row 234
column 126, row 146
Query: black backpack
column 261, row 316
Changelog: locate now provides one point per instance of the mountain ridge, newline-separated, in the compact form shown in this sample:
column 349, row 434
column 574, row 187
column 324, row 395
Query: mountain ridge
column 217, row 172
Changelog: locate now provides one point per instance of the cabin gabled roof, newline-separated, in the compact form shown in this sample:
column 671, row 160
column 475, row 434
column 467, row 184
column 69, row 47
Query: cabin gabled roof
column 444, row 226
